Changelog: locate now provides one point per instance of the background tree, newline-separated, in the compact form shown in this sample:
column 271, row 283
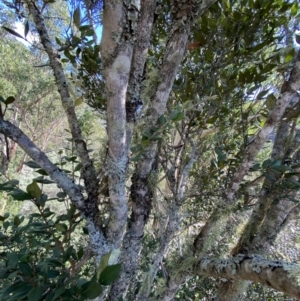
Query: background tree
column 189, row 93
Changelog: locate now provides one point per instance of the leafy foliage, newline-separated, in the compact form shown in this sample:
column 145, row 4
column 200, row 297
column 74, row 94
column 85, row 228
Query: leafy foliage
column 39, row 260
column 181, row 162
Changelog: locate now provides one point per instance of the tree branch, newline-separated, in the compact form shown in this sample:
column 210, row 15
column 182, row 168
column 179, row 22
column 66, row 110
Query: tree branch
column 88, row 210
column 88, row 170
column 132, row 239
column 281, row 276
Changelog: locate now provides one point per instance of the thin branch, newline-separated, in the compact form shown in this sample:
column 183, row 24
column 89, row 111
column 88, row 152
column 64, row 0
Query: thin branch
column 88, row 210
column 88, row 169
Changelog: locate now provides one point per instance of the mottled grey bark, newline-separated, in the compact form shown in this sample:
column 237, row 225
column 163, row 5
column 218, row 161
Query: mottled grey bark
column 183, row 16
column 266, row 222
column 281, row 276
column 88, row 169
column 116, row 53
column 132, row 239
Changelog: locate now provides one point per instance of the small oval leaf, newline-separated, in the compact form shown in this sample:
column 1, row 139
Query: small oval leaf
column 76, row 17
column 34, row 190
column 110, row 274
column 9, row 100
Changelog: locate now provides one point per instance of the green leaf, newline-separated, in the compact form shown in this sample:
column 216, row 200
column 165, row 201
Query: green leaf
column 26, row 28
column 162, row 120
column 36, row 293
column 20, row 195
column 34, row 190
column 68, row 253
column 294, row 10
column 76, row 17
column 54, row 262
column 41, row 200
column 11, row 31
column 255, row 167
column 262, row 94
column 41, row 172
column 61, row 194
column 136, row 158
column 110, row 274
column 85, row 230
column 25, row 258
column 47, row 214
column 58, row 292
column 270, row 101
column 49, row 296
column 16, row 291
column 78, row 101
column 220, row 154
column 52, row 273
column 93, row 291
column 290, row 55
column 32, row 164
column 43, row 181
column 80, row 253
column 9, row 100
column 8, row 186
column 103, row 264
column 25, row 269
column 89, row 32
column 179, row 116
column 84, row 27
column 173, row 115
column 78, row 167
column 17, row 221
column 266, row 163
column 58, row 41
column 158, row 138
column 61, row 227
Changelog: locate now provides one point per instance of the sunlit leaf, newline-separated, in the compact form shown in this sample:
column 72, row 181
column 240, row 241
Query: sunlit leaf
column 34, row 190
column 76, row 17
column 110, row 274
